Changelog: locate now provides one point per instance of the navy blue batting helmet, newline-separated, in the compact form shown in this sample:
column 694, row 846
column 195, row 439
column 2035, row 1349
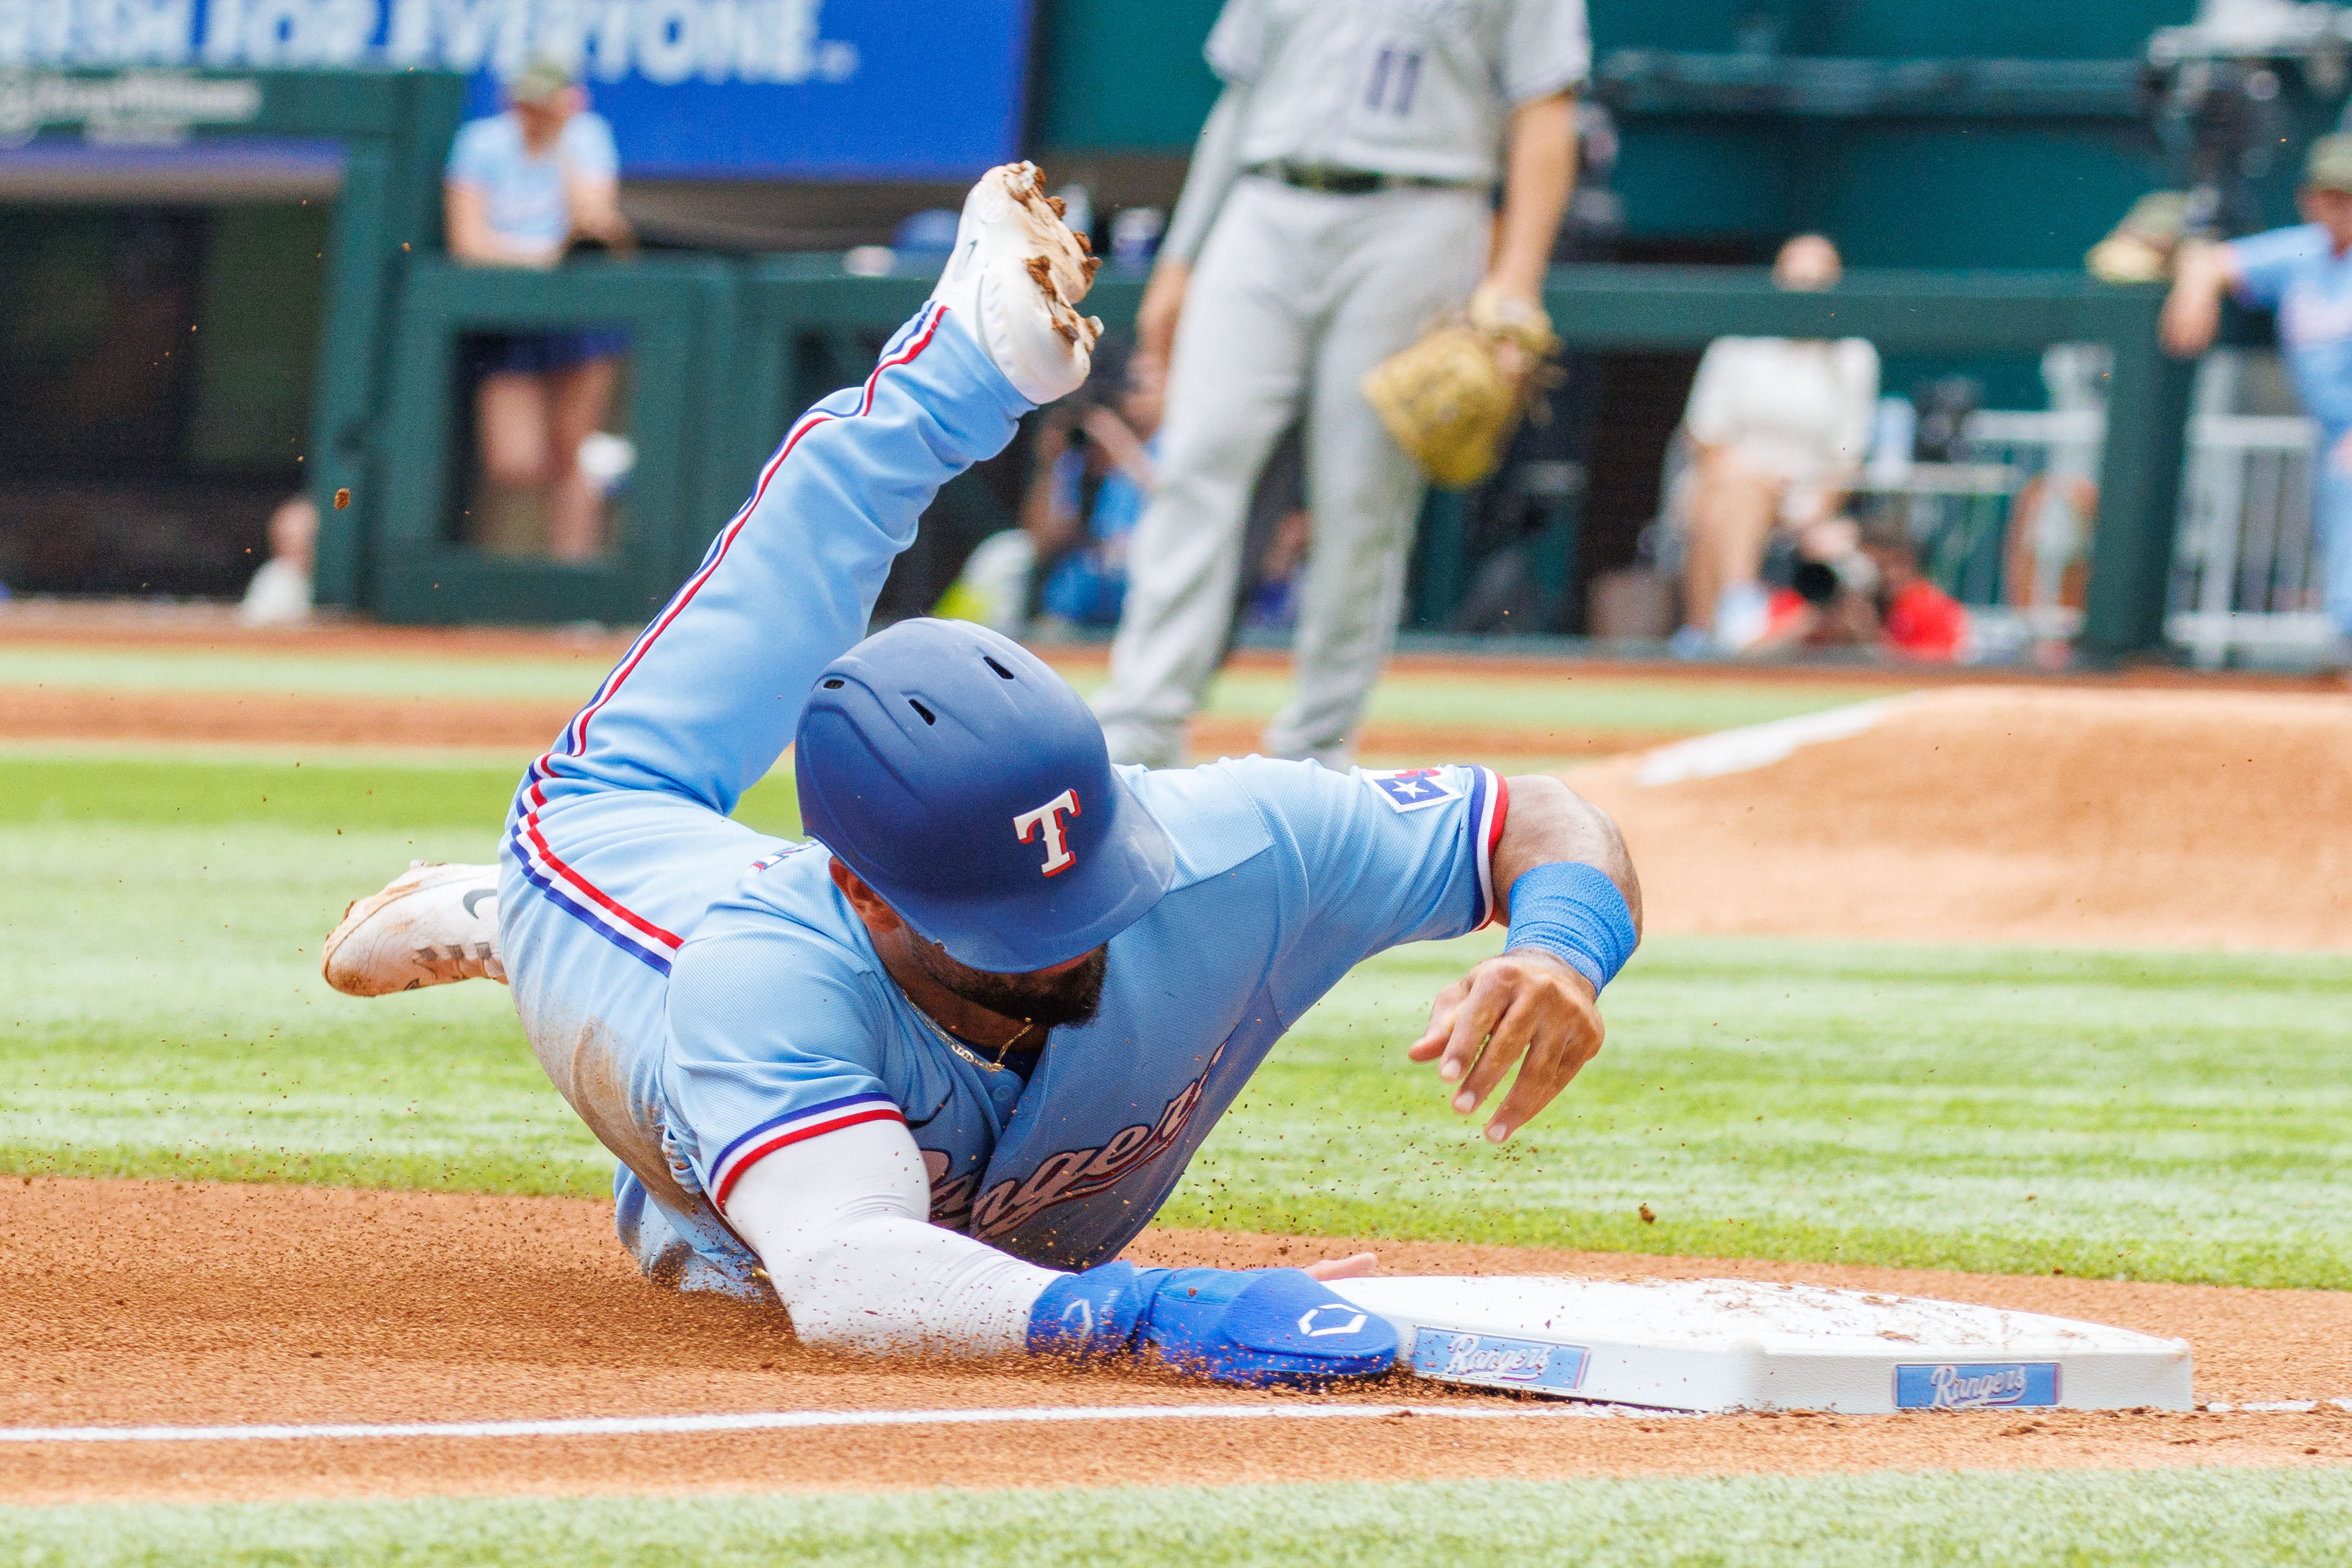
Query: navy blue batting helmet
column 965, row 782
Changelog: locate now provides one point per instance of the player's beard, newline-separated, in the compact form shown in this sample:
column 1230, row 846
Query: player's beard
column 1071, row 996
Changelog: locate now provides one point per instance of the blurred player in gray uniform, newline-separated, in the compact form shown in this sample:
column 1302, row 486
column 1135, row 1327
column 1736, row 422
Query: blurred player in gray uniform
column 1341, row 198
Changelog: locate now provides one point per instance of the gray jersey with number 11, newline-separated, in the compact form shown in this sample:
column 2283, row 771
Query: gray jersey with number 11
column 1402, row 87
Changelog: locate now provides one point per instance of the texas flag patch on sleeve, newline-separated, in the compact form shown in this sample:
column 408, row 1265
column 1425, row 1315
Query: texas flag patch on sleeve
column 1412, row 789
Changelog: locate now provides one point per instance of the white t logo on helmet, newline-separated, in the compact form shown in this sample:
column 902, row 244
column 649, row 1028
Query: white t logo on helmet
column 1048, row 816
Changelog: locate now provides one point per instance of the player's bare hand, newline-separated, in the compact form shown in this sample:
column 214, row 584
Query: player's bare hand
column 2192, row 310
column 1356, row 1266
column 1526, row 1009
column 1156, row 317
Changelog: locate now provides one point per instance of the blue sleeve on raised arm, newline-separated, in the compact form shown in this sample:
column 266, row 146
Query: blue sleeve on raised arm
column 1371, row 859
column 2264, row 265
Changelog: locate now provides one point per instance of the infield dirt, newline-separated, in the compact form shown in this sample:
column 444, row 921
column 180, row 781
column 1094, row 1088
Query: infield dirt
column 147, row 1303
column 2125, row 818
column 2156, row 815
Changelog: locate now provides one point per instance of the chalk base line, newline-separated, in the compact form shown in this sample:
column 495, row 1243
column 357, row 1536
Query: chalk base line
column 804, row 1420
column 792, row 1420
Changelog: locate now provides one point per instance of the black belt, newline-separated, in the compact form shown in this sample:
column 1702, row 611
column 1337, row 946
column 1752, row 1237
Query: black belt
column 1340, row 181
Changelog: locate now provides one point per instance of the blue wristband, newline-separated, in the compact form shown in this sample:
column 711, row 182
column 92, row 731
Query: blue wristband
column 1574, row 912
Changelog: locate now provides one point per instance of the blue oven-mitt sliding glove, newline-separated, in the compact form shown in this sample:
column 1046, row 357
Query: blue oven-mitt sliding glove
column 1260, row 1327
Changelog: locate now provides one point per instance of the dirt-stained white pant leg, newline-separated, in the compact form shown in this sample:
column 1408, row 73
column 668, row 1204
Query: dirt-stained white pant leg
column 621, row 839
column 1403, row 259
column 1243, row 350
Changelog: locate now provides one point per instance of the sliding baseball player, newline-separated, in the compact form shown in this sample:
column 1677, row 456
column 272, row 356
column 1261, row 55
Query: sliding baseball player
column 923, row 1077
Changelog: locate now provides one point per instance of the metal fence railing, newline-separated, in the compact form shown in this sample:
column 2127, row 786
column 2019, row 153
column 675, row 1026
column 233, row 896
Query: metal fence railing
column 717, row 370
column 2052, row 459
column 2246, row 578
column 2246, row 568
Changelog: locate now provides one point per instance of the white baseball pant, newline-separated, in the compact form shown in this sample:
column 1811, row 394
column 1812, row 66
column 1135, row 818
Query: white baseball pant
column 1297, row 295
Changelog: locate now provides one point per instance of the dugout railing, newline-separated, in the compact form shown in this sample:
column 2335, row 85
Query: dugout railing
column 729, row 350
column 680, row 315
column 1622, row 308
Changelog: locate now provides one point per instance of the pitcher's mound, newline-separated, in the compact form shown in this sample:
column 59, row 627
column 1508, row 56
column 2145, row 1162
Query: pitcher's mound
column 2006, row 814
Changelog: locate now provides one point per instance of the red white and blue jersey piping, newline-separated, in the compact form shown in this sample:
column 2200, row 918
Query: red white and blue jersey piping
column 609, row 917
column 919, row 333
column 582, row 899
column 796, row 1126
column 1490, row 807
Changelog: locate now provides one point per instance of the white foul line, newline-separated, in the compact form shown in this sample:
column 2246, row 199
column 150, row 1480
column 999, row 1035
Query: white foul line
column 2274, row 1406
column 788, row 1420
column 779, row 1420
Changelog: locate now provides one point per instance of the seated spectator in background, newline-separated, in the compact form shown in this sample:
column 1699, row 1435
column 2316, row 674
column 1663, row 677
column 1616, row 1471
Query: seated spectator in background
column 1094, row 471
column 520, row 187
column 279, row 593
column 1779, row 427
column 1863, row 587
column 2305, row 274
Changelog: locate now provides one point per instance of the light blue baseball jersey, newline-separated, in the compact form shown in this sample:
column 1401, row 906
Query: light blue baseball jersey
column 702, row 995
column 784, row 1025
column 522, row 195
column 2297, row 272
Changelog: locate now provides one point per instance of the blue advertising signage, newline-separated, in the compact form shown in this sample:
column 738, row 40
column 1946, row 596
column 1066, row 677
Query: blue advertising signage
column 695, row 88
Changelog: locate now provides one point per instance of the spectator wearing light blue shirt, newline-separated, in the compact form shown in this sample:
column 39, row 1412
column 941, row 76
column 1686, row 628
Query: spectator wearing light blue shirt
column 519, row 188
column 2305, row 273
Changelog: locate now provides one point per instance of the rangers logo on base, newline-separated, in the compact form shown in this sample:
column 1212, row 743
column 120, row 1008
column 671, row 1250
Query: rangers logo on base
column 1950, row 1388
column 1495, row 1360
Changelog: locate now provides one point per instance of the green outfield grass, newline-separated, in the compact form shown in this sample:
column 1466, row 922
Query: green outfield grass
column 1510, row 698
column 2158, row 1116
column 2141, row 1116
column 300, row 674
column 2144, row 1518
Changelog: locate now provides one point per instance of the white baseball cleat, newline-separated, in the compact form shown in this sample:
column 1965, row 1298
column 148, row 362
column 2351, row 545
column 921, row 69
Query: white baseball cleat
column 1015, row 277
column 432, row 924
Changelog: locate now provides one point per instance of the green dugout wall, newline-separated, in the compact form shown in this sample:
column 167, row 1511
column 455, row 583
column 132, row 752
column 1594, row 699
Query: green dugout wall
column 395, row 131
column 2009, row 136
column 722, row 368
column 390, row 133
column 680, row 314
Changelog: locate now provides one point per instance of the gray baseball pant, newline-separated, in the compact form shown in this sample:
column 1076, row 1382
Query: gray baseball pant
column 1296, row 296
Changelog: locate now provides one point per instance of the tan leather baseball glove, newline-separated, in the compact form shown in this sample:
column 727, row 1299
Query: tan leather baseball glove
column 1454, row 397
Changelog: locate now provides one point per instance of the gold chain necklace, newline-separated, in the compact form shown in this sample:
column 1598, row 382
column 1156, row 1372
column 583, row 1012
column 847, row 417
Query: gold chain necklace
column 959, row 1047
